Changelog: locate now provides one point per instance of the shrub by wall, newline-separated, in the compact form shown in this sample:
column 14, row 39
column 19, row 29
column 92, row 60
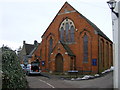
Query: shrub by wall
column 13, row 75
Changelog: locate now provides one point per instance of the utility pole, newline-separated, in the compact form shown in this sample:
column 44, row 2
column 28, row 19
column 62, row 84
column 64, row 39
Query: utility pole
column 116, row 47
column 117, row 52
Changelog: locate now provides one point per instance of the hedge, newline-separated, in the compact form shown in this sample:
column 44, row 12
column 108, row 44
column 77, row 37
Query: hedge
column 13, row 76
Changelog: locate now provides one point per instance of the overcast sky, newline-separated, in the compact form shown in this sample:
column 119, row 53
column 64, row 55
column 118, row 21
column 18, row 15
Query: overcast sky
column 28, row 19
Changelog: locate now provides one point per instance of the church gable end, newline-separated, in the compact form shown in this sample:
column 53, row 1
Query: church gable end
column 75, row 39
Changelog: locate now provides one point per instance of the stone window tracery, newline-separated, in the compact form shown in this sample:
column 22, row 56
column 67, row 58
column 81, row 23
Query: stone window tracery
column 67, row 31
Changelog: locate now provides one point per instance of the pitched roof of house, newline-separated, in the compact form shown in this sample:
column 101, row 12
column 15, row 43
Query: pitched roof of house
column 35, row 48
column 92, row 24
column 29, row 48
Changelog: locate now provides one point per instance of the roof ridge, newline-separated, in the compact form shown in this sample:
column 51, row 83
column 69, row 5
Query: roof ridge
column 28, row 44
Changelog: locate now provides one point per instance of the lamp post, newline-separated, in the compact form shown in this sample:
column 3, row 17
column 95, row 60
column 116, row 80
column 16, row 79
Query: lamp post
column 116, row 45
column 112, row 5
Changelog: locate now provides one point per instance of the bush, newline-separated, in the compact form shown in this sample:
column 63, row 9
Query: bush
column 13, row 75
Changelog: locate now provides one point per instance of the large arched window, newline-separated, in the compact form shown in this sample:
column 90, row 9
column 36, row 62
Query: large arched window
column 67, row 31
column 50, row 45
column 111, row 55
column 85, row 48
column 102, row 52
column 41, row 53
column 107, row 54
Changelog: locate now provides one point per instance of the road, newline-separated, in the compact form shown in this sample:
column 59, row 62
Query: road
column 105, row 81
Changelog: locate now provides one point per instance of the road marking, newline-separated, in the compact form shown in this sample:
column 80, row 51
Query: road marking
column 47, row 83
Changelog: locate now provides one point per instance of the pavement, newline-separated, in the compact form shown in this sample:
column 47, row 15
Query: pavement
column 105, row 81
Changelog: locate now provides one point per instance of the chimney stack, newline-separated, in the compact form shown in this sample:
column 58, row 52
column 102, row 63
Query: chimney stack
column 23, row 42
column 35, row 43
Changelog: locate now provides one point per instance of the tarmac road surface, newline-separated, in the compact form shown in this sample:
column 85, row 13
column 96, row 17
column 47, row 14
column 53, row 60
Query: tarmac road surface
column 105, row 81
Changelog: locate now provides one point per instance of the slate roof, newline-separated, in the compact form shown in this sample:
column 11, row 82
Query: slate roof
column 96, row 28
column 34, row 49
column 29, row 48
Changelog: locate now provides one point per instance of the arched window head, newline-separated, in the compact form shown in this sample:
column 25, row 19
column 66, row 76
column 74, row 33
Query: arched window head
column 85, row 48
column 67, row 31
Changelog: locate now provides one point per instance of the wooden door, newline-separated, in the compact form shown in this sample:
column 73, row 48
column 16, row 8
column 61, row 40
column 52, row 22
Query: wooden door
column 59, row 63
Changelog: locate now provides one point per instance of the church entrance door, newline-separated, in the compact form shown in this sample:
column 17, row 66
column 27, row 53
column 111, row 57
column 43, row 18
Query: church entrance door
column 59, row 63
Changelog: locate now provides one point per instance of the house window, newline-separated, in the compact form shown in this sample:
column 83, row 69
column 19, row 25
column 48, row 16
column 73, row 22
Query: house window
column 67, row 31
column 85, row 48
column 50, row 45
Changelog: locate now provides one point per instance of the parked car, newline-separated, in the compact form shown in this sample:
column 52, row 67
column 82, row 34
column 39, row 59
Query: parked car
column 23, row 66
column 32, row 68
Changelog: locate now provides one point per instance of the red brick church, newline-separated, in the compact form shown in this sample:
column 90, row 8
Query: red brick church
column 72, row 42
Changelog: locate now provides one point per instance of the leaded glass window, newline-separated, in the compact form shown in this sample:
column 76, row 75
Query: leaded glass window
column 67, row 32
column 85, row 48
column 62, row 34
column 102, row 52
column 72, row 34
column 107, row 54
column 41, row 53
column 50, row 45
